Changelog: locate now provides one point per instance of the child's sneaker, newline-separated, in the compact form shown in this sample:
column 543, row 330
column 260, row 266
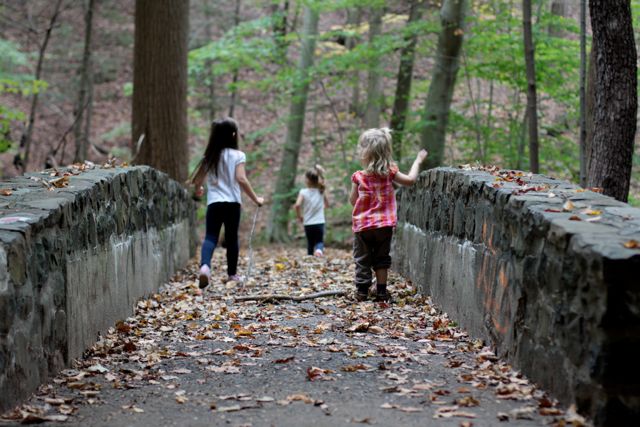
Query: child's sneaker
column 205, row 274
column 318, row 253
column 382, row 295
column 235, row 278
column 362, row 294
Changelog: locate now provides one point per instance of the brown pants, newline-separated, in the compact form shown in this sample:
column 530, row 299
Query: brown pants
column 371, row 252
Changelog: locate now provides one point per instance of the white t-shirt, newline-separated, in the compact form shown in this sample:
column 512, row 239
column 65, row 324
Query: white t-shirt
column 312, row 206
column 225, row 187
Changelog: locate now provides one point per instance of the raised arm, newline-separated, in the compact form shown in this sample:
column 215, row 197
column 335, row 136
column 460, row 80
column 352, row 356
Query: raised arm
column 410, row 178
column 241, row 177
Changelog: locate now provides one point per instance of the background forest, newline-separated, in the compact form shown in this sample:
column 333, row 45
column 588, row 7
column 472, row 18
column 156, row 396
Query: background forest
column 66, row 73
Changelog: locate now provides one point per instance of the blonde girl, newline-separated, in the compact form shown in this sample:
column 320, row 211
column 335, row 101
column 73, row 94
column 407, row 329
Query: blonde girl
column 374, row 209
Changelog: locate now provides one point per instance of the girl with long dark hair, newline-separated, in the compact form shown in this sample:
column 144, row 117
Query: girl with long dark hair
column 223, row 168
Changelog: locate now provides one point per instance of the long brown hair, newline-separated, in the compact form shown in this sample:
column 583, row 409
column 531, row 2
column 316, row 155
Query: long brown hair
column 224, row 134
column 315, row 175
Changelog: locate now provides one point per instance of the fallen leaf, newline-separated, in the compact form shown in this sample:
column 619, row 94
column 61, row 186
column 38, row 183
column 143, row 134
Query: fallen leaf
column 568, row 206
column 631, row 244
column 5, row 192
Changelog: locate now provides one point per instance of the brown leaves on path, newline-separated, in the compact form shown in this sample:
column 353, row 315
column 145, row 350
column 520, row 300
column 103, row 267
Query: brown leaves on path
column 182, row 340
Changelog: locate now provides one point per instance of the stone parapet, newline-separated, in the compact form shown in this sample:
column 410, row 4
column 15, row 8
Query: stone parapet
column 75, row 258
column 538, row 268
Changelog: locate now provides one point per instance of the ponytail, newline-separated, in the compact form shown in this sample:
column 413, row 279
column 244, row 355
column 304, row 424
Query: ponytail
column 315, row 175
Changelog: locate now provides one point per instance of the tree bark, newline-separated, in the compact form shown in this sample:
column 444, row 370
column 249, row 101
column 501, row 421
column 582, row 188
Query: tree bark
column 558, row 8
column 583, row 93
column 25, row 143
column 616, row 97
column 81, row 127
column 279, row 25
column 284, row 195
column 438, row 104
column 374, row 77
column 236, row 71
column 589, row 106
column 159, row 119
column 353, row 20
column 532, row 95
column 405, row 74
column 211, row 83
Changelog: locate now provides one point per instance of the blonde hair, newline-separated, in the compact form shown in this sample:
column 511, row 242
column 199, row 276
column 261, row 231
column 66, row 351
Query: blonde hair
column 375, row 150
column 315, row 176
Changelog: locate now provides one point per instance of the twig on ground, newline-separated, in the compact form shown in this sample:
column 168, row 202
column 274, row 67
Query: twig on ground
column 276, row 297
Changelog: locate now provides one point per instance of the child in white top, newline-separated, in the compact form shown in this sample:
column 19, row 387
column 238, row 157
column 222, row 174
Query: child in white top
column 310, row 210
column 223, row 168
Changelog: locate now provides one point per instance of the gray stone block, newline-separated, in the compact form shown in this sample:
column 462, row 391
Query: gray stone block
column 67, row 269
column 558, row 297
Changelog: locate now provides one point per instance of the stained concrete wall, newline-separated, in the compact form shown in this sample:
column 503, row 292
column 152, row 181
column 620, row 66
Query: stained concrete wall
column 74, row 260
column 557, row 296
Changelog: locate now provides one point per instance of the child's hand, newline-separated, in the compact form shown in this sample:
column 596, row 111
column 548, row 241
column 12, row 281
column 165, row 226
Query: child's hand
column 199, row 192
column 422, row 155
column 260, row 201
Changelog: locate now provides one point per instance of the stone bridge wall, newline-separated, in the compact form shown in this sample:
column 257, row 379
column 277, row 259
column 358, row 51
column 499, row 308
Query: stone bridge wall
column 74, row 260
column 557, row 296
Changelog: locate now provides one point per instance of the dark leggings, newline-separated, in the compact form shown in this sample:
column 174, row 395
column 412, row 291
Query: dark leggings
column 219, row 213
column 315, row 237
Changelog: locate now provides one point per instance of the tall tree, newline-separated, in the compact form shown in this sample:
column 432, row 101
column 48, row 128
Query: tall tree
column 284, row 197
column 616, row 97
column 159, row 119
column 27, row 137
column 354, row 15
column 532, row 95
column 559, row 8
column 405, row 75
column 209, row 64
column 82, row 124
column 374, row 78
column 236, row 71
column 438, row 104
column 279, row 18
column 583, row 92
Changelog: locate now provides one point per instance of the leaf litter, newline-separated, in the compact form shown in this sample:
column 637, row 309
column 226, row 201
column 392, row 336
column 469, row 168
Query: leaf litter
column 181, row 339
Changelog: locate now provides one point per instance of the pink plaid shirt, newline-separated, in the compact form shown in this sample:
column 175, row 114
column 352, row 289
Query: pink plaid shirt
column 376, row 204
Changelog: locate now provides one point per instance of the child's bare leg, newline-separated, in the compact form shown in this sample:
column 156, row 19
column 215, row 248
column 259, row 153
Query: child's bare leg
column 381, row 275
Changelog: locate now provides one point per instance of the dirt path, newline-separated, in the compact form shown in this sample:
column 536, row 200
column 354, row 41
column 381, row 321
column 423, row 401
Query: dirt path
column 193, row 359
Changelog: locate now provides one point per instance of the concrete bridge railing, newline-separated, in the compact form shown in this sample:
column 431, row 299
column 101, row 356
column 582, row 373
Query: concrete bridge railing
column 75, row 259
column 544, row 276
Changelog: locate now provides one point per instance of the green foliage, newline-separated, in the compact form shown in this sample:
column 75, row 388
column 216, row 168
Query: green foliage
column 494, row 55
column 15, row 81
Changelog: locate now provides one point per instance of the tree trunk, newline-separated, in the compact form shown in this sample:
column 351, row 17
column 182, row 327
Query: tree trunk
column 532, row 95
column 27, row 137
column 81, row 128
column 353, row 20
column 211, row 83
column 374, row 78
column 405, row 74
column 159, row 119
column 558, row 8
column 583, row 94
column 438, row 104
column 279, row 24
column 284, row 194
column 589, row 107
column 616, row 97
column 234, row 80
